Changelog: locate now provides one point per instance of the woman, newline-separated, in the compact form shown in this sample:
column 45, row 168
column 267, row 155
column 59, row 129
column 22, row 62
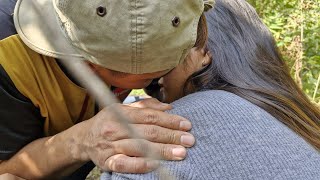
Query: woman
column 250, row 119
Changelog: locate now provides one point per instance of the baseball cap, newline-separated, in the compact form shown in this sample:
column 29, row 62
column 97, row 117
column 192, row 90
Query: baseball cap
column 131, row 36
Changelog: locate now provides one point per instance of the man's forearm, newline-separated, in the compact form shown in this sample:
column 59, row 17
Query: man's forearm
column 46, row 157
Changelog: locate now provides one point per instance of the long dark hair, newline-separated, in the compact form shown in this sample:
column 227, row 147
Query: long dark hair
column 246, row 62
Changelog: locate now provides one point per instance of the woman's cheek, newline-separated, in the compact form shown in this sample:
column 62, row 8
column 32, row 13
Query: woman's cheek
column 167, row 90
column 174, row 91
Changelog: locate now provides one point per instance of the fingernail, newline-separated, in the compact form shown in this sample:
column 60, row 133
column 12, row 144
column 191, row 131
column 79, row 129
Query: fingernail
column 187, row 140
column 153, row 164
column 179, row 153
column 185, row 125
column 166, row 105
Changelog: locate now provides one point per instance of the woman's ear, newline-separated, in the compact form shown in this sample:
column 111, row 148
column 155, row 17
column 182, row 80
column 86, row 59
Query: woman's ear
column 197, row 59
column 206, row 60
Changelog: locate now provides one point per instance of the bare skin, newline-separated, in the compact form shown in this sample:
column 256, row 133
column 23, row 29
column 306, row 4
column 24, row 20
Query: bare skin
column 172, row 83
column 8, row 176
column 125, row 80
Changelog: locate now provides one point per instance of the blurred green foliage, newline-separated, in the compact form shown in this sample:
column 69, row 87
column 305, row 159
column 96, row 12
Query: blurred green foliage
column 137, row 92
column 295, row 25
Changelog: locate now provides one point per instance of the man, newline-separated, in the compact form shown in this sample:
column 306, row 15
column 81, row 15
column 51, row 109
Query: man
column 48, row 124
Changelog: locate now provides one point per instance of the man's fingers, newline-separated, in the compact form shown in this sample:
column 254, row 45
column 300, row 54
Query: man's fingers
column 145, row 116
column 151, row 103
column 155, row 126
column 159, row 118
column 115, row 131
column 8, row 176
column 163, row 135
column 143, row 148
column 124, row 164
column 153, row 133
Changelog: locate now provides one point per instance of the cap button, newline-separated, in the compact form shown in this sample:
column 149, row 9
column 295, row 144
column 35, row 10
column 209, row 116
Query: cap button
column 101, row 11
column 176, row 21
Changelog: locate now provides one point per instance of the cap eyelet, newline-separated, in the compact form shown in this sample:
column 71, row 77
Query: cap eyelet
column 176, row 21
column 101, row 11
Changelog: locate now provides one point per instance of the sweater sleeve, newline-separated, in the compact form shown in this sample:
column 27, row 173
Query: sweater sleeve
column 235, row 139
column 6, row 18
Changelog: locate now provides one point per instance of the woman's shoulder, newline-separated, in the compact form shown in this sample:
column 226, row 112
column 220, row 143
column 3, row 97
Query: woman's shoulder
column 216, row 101
column 236, row 139
column 227, row 114
column 219, row 97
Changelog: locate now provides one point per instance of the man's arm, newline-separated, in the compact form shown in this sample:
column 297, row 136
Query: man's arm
column 45, row 157
column 103, row 140
column 20, row 124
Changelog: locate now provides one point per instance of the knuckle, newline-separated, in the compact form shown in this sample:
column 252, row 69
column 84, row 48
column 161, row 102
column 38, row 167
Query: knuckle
column 133, row 113
column 147, row 102
column 175, row 119
column 150, row 117
column 109, row 130
column 173, row 122
column 101, row 161
column 118, row 165
column 152, row 133
column 140, row 167
column 142, row 147
column 104, row 145
column 141, row 103
column 166, row 152
column 173, row 137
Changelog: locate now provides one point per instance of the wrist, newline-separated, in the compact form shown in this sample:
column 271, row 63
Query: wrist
column 76, row 142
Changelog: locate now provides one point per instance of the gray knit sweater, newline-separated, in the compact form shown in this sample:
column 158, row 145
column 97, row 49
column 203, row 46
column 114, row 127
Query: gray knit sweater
column 235, row 139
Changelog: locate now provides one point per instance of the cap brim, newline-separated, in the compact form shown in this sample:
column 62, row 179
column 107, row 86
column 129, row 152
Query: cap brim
column 39, row 29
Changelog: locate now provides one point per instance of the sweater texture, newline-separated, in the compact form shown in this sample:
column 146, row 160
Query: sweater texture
column 236, row 139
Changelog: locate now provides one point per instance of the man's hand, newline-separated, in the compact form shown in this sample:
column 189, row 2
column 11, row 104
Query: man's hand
column 110, row 145
column 8, row 176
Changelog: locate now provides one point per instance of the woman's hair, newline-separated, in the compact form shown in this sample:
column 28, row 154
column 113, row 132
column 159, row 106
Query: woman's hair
column 246, row 62
column 202, row 32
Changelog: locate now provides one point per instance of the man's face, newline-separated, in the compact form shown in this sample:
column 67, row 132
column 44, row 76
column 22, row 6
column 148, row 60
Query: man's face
column 125, row 80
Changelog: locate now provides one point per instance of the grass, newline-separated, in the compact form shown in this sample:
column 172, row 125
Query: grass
column 94, row 174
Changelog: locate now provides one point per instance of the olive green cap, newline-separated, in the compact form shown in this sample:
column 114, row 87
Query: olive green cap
column 131, row 36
